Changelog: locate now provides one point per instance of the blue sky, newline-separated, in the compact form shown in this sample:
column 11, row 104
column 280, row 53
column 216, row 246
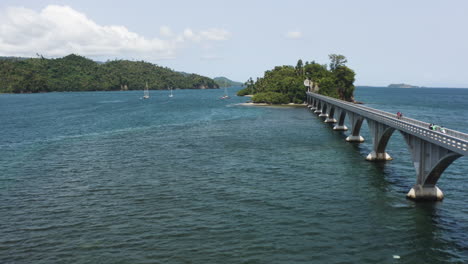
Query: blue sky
column 422, row 43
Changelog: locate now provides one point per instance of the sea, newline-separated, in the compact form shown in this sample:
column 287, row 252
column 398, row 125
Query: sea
column 107, row 177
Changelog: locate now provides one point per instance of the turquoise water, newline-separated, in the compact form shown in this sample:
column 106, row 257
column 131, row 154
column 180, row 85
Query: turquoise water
column 105, row 177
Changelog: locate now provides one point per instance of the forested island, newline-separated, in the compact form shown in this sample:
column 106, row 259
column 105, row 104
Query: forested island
column 285, row 84
column 401, row 85
column 225, row 82
column 77, row 73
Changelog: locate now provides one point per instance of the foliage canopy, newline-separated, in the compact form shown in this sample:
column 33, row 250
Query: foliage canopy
column 225, row 82
column 77, row 73
column 337, row 82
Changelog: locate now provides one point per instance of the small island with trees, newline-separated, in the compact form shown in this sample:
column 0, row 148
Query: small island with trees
column 77, row 73
column 401, row 85
column 285, row 84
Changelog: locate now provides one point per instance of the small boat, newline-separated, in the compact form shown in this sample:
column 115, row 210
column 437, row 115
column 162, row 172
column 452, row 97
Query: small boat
column 146, row 92
column 171, row 95
column 225, row 96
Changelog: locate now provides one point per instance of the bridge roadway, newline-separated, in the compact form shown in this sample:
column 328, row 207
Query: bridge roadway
column 431, row 151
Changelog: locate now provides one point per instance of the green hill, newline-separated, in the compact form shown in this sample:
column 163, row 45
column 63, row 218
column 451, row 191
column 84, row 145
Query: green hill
column 225, row 82
column 77, row 73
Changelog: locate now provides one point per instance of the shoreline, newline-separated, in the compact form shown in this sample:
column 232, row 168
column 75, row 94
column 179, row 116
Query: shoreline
column 42, row 92
column 273, row 105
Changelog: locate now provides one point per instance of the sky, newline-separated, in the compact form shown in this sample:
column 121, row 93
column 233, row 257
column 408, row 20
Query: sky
column 423, row 43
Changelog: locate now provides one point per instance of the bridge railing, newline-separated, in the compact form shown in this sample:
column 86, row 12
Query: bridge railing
column 454, row 139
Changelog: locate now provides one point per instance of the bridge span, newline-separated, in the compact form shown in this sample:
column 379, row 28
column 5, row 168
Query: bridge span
column 431, row 151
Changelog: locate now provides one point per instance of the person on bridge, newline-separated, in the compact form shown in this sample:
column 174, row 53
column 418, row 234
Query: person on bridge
column 435, row 127
column 399, row 115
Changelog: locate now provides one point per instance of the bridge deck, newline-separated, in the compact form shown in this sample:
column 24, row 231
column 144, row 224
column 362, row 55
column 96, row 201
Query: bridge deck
column 451, row 139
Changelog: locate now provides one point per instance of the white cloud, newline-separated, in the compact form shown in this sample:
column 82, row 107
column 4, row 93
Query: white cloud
column 166, row 31
column 210, row 57
column 60, row 30
column 215, row 34
column 190, row 35
column 294, row 34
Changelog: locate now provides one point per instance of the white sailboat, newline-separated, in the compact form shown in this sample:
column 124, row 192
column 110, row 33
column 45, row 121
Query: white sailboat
column 225, row 96
column 146, row 92
column 171, row 95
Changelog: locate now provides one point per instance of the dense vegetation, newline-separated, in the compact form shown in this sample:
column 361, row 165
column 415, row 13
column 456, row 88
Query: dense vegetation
column 76, row 73
column 225, row 82
column 285, row 84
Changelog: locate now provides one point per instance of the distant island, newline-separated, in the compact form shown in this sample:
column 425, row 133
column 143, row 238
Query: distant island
column 225, row 82
column 401, row 85
column 77, row 73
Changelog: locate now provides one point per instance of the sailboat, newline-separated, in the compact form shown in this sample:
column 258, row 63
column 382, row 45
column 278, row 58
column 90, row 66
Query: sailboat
column 171, row 95
column 146, row 92
column 225, row 96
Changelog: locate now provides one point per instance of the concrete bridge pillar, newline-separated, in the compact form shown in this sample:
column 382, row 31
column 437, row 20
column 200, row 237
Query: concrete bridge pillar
column 331, row 113
column 341, row 114
column 310, row 101
column 381, row 133
column 313, row 105
column 318, row 107
column 324, row 111
column 356, row 122
column 430, row 161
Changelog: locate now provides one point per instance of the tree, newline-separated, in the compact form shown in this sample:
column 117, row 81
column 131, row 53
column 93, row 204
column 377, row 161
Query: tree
column 336, row 60
column 315, row 71
column 299, row 68
column 344, row 80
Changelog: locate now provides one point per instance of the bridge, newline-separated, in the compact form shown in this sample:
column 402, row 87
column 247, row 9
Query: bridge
column 431, row 151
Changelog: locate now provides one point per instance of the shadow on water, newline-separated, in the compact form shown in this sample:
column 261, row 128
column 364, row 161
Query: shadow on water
column 431, row 226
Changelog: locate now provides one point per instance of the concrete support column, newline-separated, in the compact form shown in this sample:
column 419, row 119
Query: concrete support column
column 331, row 112
column 381, row 133
column 356, row 122
column 318, row 107
column 430, row 161
column 341, row 114
column 323, row 113
column 313, row 104
column 310, row 101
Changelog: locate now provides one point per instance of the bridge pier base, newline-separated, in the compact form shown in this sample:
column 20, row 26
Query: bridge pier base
column 425, row 193
column 323, row 115
column 357, row 138
column 330, row 120
column 340, row 128
column 374, row 156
